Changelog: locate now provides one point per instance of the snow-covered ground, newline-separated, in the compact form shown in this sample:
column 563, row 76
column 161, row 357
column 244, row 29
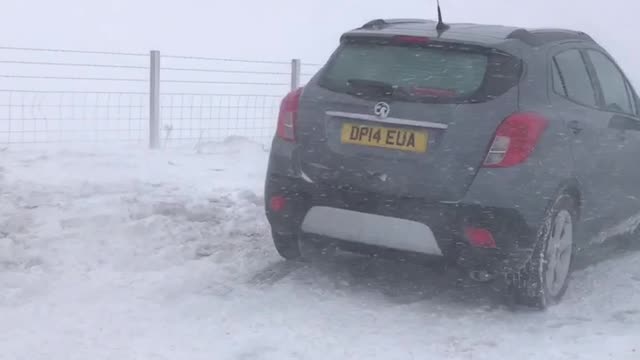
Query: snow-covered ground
column 135, row 254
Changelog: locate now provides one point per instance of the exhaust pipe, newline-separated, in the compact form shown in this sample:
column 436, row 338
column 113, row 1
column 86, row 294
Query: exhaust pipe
column 481, row 276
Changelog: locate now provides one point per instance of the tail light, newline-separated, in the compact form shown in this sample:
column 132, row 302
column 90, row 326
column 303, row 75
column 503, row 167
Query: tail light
column 479, row 237
column 288, row 116
column 515, row 140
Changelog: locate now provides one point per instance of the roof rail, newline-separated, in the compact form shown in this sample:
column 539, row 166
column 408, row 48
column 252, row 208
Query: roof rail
column 375, row 24
column 525, row 36
column 382, row 23
column 539, row 37
column 549, row 35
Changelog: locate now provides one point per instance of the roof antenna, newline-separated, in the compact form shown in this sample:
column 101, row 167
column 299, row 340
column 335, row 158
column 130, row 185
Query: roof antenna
column 441, row 27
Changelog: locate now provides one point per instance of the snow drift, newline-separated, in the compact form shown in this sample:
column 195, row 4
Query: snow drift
column 132, row 254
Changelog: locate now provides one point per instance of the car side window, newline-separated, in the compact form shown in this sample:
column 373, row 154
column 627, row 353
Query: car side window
column 572, row 70
column 612, row 83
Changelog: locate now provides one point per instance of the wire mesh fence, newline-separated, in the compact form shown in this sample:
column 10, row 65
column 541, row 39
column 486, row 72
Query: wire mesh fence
column 40, row 116
column 209, row 99
column 205, row 117
column 69, row 96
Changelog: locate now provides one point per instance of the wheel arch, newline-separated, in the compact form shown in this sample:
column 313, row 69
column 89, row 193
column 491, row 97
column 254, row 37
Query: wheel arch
column 572, row 188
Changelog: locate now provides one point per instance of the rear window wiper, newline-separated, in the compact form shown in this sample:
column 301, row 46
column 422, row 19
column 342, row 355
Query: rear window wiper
column 377, row 89
column 421, row 91
column 363, row 87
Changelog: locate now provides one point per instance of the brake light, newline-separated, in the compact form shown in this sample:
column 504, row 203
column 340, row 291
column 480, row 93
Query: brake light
column 515, row 140
column 410, row 40
column 288, row 116
column 479, row 237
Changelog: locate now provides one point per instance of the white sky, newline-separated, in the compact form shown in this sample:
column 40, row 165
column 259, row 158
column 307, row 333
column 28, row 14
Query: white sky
column 282, row 29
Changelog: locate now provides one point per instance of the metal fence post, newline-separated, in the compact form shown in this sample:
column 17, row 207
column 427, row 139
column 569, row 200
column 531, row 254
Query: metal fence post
column 154, row 100
column 295, row 73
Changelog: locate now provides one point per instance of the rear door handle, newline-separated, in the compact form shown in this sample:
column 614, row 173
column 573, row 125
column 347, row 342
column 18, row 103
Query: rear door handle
column 575, row 126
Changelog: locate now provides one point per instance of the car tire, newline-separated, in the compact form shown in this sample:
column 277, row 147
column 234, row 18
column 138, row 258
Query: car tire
column 545, row 278
column 287, row 246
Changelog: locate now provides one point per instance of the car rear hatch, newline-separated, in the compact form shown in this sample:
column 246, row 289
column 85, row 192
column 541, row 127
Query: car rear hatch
column 405, row 116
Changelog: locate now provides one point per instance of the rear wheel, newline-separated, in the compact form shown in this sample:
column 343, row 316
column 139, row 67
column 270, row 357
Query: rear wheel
column 545, row 279
column 287, row 245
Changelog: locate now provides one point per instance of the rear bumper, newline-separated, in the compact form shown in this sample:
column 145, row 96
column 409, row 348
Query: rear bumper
column 514, row 238
column 514, row 228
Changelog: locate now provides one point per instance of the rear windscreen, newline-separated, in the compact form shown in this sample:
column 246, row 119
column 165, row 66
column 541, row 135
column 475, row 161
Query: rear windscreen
column 432, row 72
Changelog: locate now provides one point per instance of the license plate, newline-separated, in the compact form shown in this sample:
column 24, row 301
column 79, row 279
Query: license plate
column 384, row 137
